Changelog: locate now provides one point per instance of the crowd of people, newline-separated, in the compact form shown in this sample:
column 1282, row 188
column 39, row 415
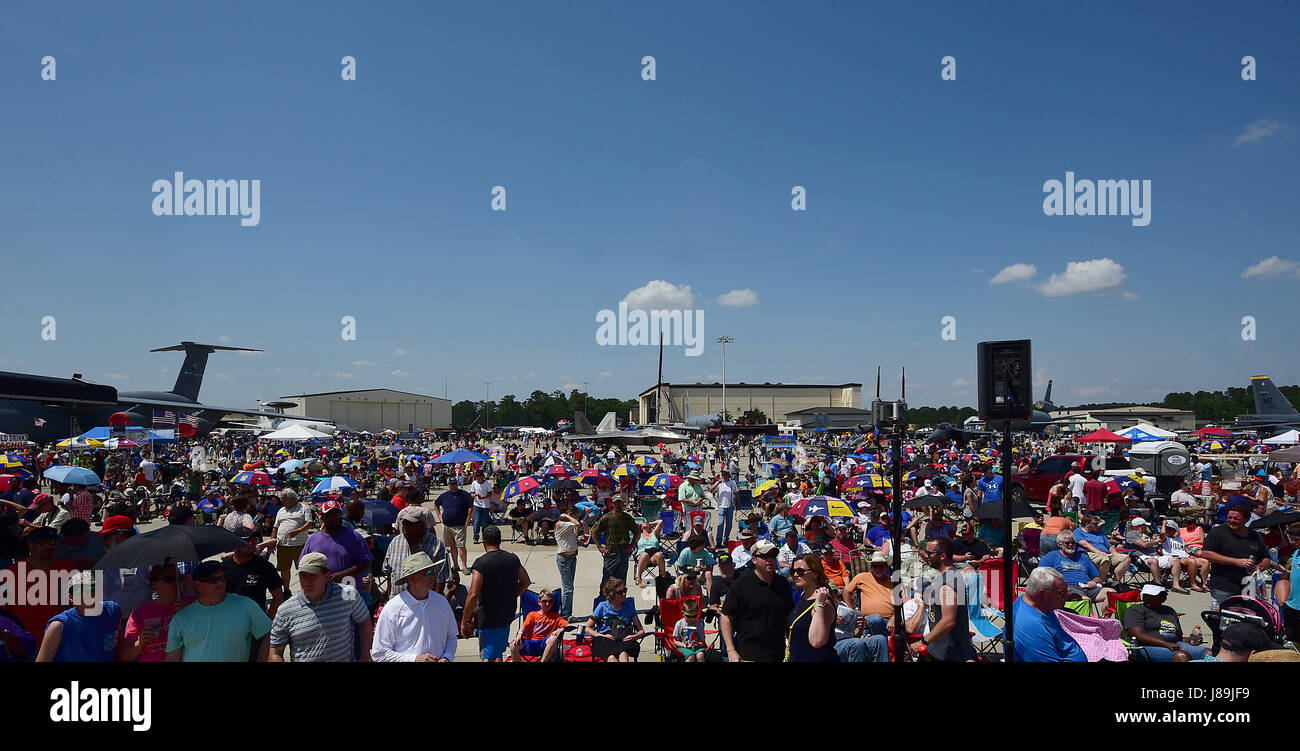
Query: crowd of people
column 747, row 552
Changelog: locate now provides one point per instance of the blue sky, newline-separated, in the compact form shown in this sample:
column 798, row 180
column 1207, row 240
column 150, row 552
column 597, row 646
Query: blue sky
column 375, row 192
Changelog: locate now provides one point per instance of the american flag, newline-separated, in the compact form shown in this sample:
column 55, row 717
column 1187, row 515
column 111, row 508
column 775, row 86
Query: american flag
column 191, row 419
column 164, row 417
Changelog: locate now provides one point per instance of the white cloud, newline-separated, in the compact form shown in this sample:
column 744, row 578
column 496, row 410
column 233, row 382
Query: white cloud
column 223, row 340
column 401, row 373
column 339, row 374
column 1272, row 268
column 117, row 376
column 960, row 382
column 660, row 295
column 1259, row 130
column 1093, row 390
column 604, row 374
column 571, row 386
column 739, row 298
column 400, row 352
column 222, row 377
column 1016, row 272
column 1084, row 276
column 529, row 374
column 367, row 364
column 1129, row 295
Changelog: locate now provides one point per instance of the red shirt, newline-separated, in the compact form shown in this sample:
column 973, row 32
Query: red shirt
column 399, row 502
column 1094, row 493
column 35, row 617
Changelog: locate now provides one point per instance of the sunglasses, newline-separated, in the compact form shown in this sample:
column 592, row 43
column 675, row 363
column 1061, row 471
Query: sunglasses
column 771, row 554
column 798, row 571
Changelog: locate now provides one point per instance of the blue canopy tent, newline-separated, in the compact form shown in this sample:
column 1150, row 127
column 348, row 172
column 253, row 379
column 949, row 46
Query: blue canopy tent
column 134, row 433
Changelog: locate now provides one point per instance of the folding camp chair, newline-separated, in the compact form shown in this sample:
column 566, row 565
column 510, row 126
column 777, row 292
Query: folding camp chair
column 985, row 635
column 667, row 614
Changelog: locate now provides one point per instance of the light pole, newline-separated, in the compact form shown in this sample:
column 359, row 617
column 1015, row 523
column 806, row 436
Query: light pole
column 584, row 396
column 724, row 341
column 487, row 403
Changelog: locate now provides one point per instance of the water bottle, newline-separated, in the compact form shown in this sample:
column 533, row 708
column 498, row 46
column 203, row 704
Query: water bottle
column 1196, row 638
column 1272, row 555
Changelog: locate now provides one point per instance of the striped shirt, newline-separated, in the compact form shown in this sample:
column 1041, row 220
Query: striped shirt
column 399, row 549
column 320, row 631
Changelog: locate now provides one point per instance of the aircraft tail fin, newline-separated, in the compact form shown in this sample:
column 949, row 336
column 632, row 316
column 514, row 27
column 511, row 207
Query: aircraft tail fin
column 609, row 424
column 1269, row 399
column 1047, row 398
column 581, row 425
column 190, row 379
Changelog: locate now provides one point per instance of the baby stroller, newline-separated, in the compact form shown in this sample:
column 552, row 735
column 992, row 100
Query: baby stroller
column 1242, row 609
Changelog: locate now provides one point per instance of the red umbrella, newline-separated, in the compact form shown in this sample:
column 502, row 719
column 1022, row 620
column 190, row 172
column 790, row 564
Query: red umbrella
column 118, row 419
column 1102, row 436
column 1211, row 430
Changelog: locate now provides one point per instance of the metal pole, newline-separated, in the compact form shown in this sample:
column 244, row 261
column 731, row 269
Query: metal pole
column 896, row 535
column 724, row 341
column 1008, row 560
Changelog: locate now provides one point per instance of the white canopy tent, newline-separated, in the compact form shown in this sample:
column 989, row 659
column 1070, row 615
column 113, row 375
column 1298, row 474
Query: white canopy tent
column 1152, row 433
column 294, row 433
column 1285, row 439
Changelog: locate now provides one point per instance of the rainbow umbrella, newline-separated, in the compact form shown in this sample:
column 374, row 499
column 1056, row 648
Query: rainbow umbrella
column 664, row 480
column 519, row 487
column 252, row 478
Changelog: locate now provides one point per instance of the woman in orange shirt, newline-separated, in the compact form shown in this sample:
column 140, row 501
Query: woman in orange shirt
column 1053, row 526
column 1192, row 535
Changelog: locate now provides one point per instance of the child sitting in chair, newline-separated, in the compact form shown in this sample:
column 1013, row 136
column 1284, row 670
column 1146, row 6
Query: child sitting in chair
column 689, row 632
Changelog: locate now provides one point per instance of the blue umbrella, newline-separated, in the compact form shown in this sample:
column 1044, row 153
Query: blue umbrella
column 461, row 455
column 333, row 484
column 72, row 475
column 378, row 513
column 293, row 465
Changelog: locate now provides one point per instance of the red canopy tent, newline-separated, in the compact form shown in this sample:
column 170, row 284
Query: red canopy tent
column 1102, row 436
column 1211, row 431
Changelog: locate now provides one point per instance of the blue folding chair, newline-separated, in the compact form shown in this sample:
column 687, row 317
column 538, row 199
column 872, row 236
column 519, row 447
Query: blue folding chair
column 986, row 636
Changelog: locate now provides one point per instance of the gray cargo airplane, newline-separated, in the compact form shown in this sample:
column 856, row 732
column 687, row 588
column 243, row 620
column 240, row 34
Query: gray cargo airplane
column 49, row 409
column 1273, row 411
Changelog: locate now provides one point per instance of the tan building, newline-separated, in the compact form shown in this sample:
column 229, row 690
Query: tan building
column 776, row 400
column 1119, row 418
column 374, row 409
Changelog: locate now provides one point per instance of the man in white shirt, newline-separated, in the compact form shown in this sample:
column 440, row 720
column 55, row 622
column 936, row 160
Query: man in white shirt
column 148, row 468
column 1182, row 497
column 290, row 527
column 417, row 625
column 481, row 491
column 1077, row 481
column 725, row 492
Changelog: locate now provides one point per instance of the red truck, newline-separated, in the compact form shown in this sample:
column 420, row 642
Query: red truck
column 1035, row 484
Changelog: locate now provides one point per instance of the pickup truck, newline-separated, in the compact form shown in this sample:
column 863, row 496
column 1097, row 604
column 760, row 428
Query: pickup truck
column 1035, row 484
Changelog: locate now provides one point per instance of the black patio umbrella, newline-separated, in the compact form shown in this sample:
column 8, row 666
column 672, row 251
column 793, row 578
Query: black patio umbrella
column 993, row 510
column 925, row 501
column 1277, row 518
column 175, row 542
column 566, row 484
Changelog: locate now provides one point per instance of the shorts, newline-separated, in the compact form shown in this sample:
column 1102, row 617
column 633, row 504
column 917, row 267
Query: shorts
column 453, row 537
column 1083, row 592
column 286, row 556
column 1164, row 560
column 689, row 651
column 609, row 648
column 492, row 642
column 533, row 647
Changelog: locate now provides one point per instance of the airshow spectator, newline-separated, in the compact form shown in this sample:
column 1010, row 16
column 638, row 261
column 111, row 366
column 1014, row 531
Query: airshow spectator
column 41, row 545
column 250, row 575
column 413, row 536
column 811, row 623
column 1235, row 553
column 321, row 622
column 145, row 636
column 948, row 638
column 218, row 627
column 348, row 553
column 453, row 508
column 499, row 580
column 1039, row 636
column 1080, row 573
column 85, row 632
column 755, row 611
column 1155, row 628
column 416, row 625
column 291, row 524
column 619, row 531
column 1091, row 540
column 618, row 629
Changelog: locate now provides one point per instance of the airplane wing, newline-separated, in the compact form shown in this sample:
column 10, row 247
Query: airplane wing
column 197, row 407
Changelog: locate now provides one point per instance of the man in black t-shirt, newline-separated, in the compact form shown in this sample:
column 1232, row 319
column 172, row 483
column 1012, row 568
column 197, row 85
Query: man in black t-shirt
column 968, row 548
column 1235, row 552
column 499, row 580
column 755, row 612
column 251, row 575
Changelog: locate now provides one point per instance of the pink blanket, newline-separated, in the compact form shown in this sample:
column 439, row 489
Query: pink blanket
column 1098, row 637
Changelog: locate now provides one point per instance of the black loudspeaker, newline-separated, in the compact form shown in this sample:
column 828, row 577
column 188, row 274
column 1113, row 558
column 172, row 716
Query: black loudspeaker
column 1005, row 381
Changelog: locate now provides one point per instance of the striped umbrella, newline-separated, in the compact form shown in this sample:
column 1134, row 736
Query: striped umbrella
column 333, row 484
column 282, row 455
column 252, row 478
column 1216, row 446
column 518, row 487
column 626, row 470
column 664, row 480
column 80, row 444
column 120, row 443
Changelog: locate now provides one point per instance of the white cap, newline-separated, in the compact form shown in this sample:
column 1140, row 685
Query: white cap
column 1153, row 590
column 1138, row 522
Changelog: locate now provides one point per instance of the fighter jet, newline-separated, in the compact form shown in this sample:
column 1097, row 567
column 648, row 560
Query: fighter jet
column 608, row 432
column 48, row 409
column 1273, row 411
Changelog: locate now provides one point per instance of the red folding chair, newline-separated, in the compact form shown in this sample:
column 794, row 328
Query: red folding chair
column 991, row 577
column 670, row 612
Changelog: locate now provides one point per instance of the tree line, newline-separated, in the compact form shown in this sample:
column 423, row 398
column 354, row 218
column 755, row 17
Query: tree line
column 539, row 410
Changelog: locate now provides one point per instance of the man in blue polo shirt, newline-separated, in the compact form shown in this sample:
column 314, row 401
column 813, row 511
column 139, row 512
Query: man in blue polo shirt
column 1080, row 574
column 1038, row 634
column 989, row 486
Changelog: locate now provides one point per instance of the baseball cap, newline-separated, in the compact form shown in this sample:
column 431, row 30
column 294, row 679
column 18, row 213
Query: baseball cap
column 1245, row 637
column 39, row 499
column 329, row 506
column 116, row 524
column 413, row 514
column 453, row 480
column 207, row 570
column 1153, row 590
column 314, row 563
column 1171, row 523
column 762, row 547
column 863, row 504
column 43, row 533
column 1138, row 522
